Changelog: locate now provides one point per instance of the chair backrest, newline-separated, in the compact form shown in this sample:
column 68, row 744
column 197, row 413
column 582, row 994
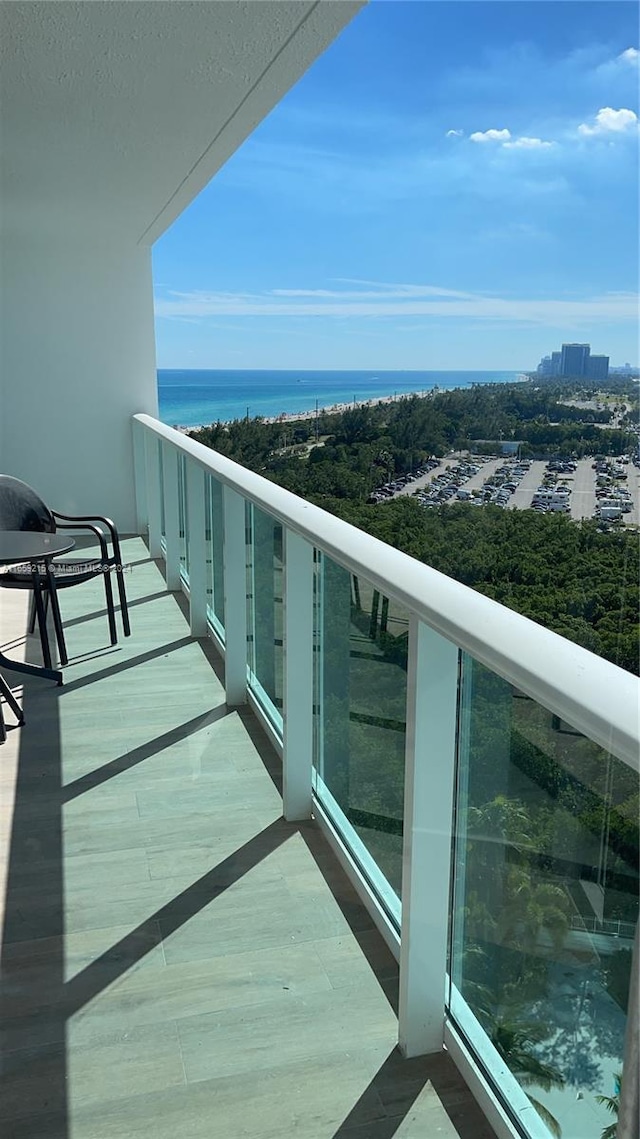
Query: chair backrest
column 22, row 509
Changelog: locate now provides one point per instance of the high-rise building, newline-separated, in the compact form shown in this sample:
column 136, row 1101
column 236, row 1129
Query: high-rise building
column 574, row 359
column 549, row 365
column 598, row 367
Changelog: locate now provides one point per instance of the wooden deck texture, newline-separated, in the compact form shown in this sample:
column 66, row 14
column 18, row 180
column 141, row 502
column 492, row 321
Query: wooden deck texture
column 177, row 961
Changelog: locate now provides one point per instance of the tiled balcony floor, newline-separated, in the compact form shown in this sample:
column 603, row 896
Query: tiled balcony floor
column 178, row 962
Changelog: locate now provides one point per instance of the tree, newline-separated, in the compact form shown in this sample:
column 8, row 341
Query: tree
column 531, row 906
column 612, row 1104
column 513, row 1039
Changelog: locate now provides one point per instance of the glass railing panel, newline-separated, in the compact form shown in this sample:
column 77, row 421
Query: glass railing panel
column 214, row 537
column 183, row 516
column 545, row 902
column 265, row 565
column 360, row 720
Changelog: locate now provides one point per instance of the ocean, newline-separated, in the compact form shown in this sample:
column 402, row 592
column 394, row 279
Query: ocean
column 188, row 398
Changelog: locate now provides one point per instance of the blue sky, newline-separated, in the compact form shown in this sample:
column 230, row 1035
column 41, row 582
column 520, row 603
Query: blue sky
column 451, row 185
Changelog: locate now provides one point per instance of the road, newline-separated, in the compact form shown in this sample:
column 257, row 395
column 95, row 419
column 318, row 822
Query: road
column 521, row 498
column 486, row 472
column 583, row 490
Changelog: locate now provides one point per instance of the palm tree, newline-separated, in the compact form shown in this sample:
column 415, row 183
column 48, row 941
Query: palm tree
column 492, row 829
column 531, row 906
column 513, row 1040
column 503, row 820
column 612, row 1104
column 504, row 895
column 479, row 919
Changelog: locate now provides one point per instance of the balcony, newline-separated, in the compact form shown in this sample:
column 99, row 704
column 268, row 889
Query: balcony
column 290, row 859
column 178, row 959
column 272, row 865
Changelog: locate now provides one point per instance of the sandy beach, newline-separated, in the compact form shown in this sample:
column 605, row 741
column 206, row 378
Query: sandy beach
column 338, row 408
column 333, row 409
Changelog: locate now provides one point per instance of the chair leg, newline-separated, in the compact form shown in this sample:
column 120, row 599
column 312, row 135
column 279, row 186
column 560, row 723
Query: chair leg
column 55, row 613
column 10, row 699
column 42, row 621
column 111, row 612
column 31, row 628
column 119, row 569
column 124, row 610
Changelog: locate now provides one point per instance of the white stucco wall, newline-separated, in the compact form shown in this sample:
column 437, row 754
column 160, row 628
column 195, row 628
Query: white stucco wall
column 77, row 359
column 114, row 116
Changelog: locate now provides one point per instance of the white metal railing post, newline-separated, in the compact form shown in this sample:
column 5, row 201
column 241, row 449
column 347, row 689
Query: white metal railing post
column 250, row 556
column 140, row 477
column 197, row 549
column 152, row 469
column 432, row 693
column 235, row 598
column 171, row 515
column 297, row 756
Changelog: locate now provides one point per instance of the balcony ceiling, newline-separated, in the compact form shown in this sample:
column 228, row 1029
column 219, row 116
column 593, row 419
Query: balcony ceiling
column 115, row 115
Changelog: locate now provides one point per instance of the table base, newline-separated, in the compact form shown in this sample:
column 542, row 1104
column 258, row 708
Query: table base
column 28, row 670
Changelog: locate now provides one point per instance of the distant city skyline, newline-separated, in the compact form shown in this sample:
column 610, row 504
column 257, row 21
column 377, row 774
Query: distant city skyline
column 450, row 186
column 574, row 360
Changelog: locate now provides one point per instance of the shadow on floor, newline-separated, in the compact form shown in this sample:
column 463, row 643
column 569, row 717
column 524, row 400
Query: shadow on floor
column 32, row 957
column 36, row 1001
column 392, row 1097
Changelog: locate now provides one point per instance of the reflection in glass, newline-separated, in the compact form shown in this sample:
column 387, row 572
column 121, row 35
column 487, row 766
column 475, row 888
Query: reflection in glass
column 546, row 900
column 360, row 701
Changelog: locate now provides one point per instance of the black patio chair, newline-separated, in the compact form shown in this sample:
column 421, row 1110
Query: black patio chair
column 22, row 509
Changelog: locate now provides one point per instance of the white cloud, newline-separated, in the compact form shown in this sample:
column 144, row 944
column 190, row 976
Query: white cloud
column 384, row 291
column 505, row 139
column 404, row 304
column 492, row 135
column 526, row 143
column 610, row 121
column 455, row 134
column 613, row 70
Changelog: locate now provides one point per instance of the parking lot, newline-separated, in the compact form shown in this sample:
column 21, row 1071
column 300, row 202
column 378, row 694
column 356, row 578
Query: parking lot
column 574, row 488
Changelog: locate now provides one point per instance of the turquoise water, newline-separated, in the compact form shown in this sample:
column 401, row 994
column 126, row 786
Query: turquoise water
column 188, row 398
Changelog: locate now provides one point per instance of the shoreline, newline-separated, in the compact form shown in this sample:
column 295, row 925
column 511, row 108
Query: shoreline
column 286, row 417
column 333, row 409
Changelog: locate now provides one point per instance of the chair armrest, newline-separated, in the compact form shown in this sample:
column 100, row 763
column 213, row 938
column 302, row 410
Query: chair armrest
column 69, row 519
column 85, row 518
column 85, row 524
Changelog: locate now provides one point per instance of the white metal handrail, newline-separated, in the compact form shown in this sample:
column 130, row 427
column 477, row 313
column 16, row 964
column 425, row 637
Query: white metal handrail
column 593, row 695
